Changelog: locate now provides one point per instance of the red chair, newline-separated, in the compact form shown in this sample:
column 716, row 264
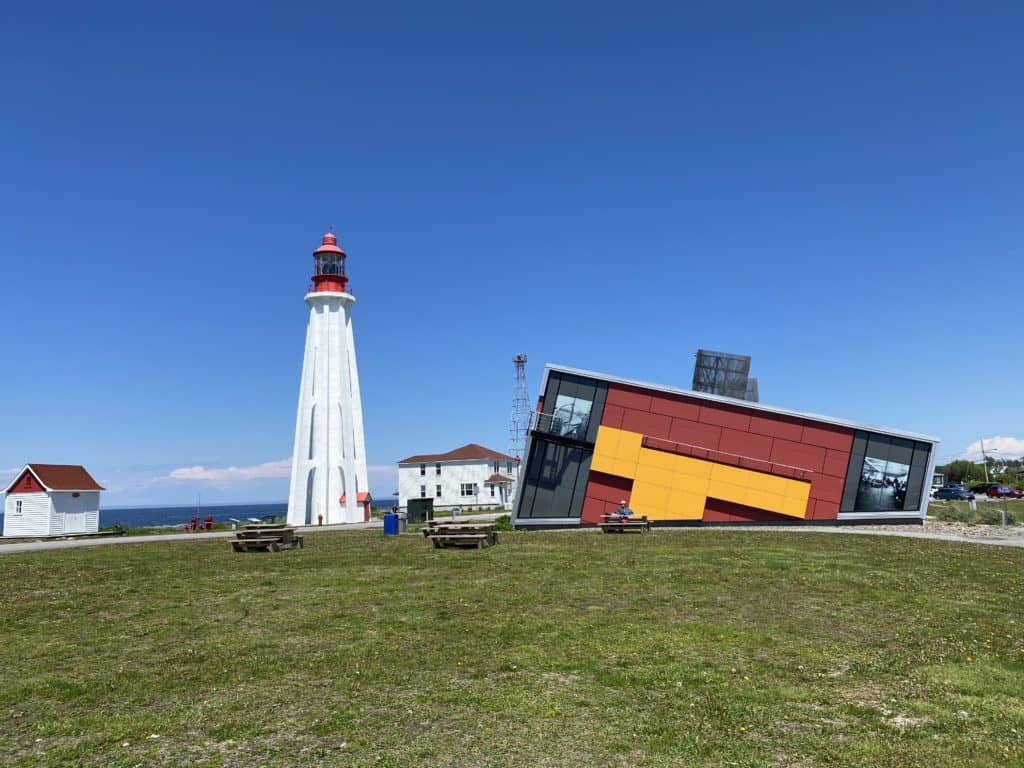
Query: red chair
column 208, row 523
column 192, row 525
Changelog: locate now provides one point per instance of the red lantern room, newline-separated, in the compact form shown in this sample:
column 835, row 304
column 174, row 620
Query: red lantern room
column 329, row 266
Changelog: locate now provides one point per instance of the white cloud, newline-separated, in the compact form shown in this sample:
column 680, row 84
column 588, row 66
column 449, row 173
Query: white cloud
column 380, row 475
column 997, row 447
column 280, row 468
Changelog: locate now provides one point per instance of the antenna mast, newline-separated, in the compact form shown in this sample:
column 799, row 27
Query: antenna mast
column 520, row 421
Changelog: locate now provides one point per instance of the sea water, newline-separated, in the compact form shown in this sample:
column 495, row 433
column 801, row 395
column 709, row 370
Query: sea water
column 147, row 517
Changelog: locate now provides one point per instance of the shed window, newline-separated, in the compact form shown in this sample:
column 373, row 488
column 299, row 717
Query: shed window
column 17, row 507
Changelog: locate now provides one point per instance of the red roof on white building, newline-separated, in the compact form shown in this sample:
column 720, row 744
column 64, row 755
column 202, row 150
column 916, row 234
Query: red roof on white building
column 467, row 452
column 59, row 477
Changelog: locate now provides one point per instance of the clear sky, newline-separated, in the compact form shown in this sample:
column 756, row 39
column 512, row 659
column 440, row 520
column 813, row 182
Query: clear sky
column 836, row 191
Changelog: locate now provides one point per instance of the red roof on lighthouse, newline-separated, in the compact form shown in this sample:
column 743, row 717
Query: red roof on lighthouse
column 329, row 244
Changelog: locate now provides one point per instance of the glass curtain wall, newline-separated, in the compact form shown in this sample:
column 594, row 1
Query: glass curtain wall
column 558, row 467
column 885, row 474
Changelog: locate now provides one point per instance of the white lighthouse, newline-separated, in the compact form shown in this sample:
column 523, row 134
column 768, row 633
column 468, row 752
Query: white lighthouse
column 329, row 460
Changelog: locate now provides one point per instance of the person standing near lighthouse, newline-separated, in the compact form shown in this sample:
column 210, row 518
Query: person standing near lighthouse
column 329, row 458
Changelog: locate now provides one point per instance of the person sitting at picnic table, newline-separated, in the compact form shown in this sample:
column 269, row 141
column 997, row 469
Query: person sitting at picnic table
column 623, row 510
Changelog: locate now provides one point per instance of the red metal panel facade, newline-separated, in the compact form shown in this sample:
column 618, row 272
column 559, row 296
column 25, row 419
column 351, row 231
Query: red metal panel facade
column 604, row 492
column 787, row 446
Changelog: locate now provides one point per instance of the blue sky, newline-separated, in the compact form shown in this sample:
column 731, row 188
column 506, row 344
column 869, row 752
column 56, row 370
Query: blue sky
column 835, row 191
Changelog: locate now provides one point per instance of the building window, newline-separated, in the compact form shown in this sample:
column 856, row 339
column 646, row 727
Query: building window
column 437, row 491
column 886, row 474
column 509, row 465
column 437, row 469
column 468, row 489
column 496, row 465
column 17, row 507
column 492, row 491
column 423, row 469
column 423, row 491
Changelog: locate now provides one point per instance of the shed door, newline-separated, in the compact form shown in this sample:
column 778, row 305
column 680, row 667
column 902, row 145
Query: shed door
column 74, row 522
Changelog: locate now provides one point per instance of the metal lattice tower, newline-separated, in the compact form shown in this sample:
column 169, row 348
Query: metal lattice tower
column 519, row 424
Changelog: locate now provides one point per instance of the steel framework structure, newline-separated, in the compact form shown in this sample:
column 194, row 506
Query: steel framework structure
column 519, row 424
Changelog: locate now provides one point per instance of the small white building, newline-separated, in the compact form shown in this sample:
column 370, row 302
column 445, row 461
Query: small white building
column 52, row 500
column 470, row 476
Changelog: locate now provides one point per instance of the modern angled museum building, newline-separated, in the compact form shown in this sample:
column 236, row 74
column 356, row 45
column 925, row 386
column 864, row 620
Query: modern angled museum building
column 688, row 457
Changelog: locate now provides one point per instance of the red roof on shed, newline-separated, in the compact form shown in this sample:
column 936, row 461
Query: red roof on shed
column 360, row 497
column 467, row 452
column 60, row 477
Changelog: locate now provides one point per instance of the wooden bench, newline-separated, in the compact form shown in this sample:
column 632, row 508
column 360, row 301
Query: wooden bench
column 477, row 535
column 263, row 538
column 619, row 524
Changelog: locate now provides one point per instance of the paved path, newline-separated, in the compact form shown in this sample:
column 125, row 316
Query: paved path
column 910, row 533
column 102, row 541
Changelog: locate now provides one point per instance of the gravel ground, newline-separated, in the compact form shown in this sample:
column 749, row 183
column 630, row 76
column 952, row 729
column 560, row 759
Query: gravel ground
column 959, row 529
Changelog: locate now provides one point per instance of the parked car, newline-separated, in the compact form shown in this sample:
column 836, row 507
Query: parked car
column 979, row 487
column 1000, row 492
column 953, row 492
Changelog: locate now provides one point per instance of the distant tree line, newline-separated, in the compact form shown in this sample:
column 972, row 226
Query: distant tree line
column 1002, row 471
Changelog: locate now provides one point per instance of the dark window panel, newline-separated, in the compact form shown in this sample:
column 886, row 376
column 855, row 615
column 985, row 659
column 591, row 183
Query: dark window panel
column 857, row 452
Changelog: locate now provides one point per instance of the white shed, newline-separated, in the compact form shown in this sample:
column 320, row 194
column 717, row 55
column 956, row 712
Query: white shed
column 52, row 500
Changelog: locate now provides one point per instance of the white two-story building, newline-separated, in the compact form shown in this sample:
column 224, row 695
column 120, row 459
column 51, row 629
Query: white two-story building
column 470, row 476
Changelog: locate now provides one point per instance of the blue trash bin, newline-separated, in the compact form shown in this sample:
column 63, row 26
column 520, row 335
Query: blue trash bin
column 390, row 524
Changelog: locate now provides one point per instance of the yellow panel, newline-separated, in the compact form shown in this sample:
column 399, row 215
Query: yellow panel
column 771, row 502
column 798, row 490
column 686, row 467
column 688, row 484
column 773, row 484
column 728, row 474
column 683, row 505
column 737, row 494
column 629, row 446
column 659, row 459
column 668, row 486
column 650, row 500
column 604, row 463
column 625, row 469
column 646, row 473
column 607, row 443
column 795, row 507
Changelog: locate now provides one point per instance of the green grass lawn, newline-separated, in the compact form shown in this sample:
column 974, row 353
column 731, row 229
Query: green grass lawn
column 691, row 647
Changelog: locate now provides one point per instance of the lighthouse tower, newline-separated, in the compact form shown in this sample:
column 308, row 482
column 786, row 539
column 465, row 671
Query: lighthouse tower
column 329, row 460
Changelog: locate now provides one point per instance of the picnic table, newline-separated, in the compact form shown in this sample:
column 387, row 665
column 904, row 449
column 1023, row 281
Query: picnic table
column 266, row 538
column 612, row 522
column 469, row 534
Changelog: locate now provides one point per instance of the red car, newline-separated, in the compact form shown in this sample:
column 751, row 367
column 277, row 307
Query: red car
column 1002, row 492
